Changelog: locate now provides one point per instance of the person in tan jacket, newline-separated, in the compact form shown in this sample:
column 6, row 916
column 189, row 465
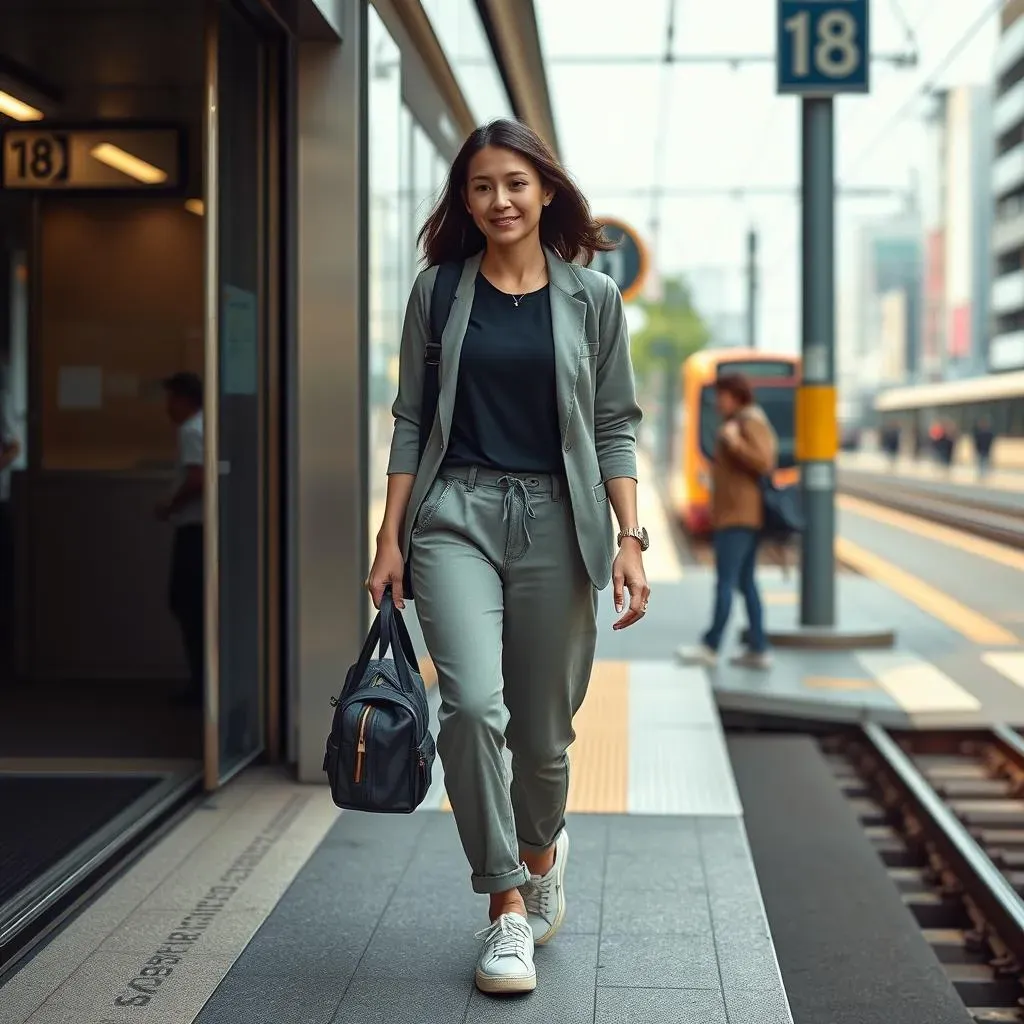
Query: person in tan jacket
column 745, row 452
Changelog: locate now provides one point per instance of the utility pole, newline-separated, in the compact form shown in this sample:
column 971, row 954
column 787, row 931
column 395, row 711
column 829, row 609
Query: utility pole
column 752, row 288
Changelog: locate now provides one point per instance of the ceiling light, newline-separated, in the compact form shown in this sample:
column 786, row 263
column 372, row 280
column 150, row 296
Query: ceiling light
column 195, row 206
column 13, row 107
column 128, row 164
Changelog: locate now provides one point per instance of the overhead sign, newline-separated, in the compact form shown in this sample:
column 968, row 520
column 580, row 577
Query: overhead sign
column 823, row 47
column 627, row 264
column 75, row 159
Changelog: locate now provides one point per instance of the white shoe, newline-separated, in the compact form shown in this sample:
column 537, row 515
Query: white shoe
column 506, row 963
column 544, row 895
column 702, row 655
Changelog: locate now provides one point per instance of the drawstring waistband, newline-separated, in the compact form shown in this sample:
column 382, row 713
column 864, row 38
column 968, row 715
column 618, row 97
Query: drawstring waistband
column 521, row 490
column 516, row 488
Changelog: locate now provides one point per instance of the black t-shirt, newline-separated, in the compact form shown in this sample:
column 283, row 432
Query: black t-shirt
column 506, row 412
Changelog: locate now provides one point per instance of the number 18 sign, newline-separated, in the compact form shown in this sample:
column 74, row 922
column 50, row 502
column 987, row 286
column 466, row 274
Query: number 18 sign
column 823, row 47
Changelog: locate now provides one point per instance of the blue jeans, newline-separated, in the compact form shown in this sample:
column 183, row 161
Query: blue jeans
column 735, row 564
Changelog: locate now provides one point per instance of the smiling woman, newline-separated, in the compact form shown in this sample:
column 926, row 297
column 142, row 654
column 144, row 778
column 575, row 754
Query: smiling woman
column 504, row 514
column 499, row 161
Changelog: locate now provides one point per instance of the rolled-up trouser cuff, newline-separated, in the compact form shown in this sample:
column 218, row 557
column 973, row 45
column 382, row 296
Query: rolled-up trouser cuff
column 534, row 848
column 486, row 884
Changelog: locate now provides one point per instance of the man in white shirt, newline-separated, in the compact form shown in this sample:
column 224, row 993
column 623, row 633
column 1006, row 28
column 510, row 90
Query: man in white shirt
column 184, row 509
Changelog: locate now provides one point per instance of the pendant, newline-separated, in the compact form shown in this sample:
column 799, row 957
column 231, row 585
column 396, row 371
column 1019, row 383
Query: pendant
column 516, row 301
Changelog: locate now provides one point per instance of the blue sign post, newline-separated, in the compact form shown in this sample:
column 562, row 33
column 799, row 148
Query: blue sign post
column 823, row 47
column 823, row 50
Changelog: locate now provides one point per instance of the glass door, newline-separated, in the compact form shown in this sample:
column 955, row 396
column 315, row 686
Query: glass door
column 236, row 719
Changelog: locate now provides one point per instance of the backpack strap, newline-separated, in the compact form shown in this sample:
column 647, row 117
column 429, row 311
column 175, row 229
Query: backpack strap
column 441, row 299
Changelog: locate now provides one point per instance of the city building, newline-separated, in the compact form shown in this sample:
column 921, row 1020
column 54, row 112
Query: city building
column 231, row 189
column 957, row 208
column 881, row 313
column 1007, row 185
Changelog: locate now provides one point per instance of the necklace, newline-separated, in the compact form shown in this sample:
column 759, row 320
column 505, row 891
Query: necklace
column 516, row 299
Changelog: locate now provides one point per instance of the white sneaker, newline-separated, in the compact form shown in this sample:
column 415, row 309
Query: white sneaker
column 506, row 963
column 702, row 655
column 544, row 895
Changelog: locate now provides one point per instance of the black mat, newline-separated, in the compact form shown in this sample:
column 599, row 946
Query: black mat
column 43, row 818
column 849, row 951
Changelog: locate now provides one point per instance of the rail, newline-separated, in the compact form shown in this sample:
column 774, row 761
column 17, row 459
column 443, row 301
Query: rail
column 984, row 516
column 944, row 810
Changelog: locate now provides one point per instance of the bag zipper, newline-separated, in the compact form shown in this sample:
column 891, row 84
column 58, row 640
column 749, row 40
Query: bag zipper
column 361, row 744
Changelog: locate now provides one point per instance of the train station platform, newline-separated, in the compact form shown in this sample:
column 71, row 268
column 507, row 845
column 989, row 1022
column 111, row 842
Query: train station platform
column 269, row 906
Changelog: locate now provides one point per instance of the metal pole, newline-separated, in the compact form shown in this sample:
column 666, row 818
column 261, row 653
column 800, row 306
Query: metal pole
column 752, row 288
column 816, row 414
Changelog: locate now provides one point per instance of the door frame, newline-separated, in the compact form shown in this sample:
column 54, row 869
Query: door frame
column 270, row 231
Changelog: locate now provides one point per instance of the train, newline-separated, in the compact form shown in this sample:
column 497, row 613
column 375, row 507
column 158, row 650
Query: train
column 997, row 397
column 774, row 378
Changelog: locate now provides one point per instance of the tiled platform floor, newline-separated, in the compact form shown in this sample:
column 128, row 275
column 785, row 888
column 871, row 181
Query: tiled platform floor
column 665, row 924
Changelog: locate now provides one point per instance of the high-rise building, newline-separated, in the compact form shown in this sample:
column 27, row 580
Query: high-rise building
column 1006, row 351
column 881, row 344
column 957, row 211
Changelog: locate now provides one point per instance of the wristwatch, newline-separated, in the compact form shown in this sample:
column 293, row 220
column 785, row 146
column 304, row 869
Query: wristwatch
column 637, row 533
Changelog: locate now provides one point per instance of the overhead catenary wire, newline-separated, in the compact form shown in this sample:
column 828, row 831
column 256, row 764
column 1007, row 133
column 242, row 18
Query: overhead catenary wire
column 662, row 134
column 931, row 80
column 921, row 90
column 901, row 16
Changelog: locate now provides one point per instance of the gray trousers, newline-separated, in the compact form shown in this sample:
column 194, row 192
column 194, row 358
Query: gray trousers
column 509, row 616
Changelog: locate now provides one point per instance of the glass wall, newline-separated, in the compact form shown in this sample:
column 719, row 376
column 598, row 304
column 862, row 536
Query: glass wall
column 465, row 44
column 387, row 258
column 405, row 176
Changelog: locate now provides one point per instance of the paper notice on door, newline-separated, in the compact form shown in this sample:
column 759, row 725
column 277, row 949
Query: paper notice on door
column 80, row 387
column 239, row 339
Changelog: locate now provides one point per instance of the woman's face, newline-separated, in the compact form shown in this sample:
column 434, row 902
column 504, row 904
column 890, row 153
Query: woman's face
column 505, row 195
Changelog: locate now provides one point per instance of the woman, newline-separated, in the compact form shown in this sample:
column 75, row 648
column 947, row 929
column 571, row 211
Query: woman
column 746, row 451
column 505, row 517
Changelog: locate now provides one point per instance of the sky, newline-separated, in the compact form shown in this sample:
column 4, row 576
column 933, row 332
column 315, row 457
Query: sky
column 728, row 128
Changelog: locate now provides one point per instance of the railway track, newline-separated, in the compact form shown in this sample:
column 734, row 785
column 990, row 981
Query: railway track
column 984, row 516
column 945, row 812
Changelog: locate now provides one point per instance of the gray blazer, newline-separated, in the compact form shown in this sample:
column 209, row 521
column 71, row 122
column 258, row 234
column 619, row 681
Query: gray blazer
column 597, row 408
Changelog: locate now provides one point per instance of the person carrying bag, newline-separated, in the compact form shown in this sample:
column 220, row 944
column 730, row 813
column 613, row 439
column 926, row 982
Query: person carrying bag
column 380, row 752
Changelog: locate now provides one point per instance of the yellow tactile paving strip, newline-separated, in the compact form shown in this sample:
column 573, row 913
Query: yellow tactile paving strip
column 839, row 683
column 427, row 671
column 968, row 623
column 599, row 759
column 1001, row 554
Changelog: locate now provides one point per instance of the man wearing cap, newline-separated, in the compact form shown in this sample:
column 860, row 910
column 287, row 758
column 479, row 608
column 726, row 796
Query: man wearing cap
column 184, row 509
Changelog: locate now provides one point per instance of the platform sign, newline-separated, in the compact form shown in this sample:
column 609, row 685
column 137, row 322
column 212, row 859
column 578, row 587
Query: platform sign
column 823, row 47
column 627, row 263
column 75, row 159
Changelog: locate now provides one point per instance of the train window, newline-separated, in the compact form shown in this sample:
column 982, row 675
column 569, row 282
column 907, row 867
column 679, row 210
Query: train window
column 758, row 368
column 779, row 404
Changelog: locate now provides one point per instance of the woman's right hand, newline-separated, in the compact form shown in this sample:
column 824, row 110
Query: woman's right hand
column 388, row 570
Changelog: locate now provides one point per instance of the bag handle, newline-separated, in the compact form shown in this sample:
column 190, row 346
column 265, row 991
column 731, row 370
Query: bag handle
column 395, row 634
column 366, row 653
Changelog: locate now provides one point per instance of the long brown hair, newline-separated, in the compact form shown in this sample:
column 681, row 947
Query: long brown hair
column 566, row 225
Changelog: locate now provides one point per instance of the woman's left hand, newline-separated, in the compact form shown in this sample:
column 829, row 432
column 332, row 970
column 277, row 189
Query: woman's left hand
column 628, row 572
